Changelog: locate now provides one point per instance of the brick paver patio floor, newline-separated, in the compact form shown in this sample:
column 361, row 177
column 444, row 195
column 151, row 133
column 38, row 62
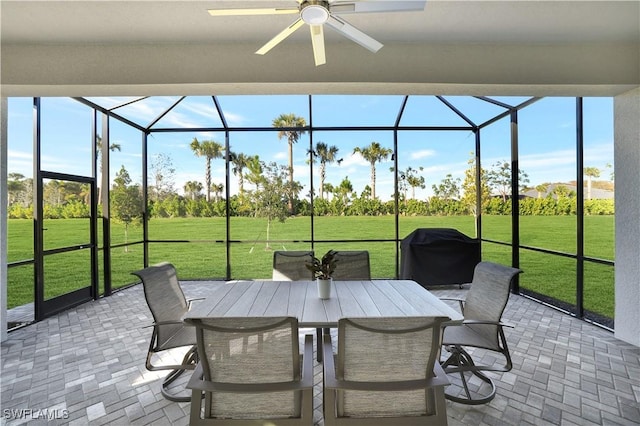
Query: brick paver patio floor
column 86, row 366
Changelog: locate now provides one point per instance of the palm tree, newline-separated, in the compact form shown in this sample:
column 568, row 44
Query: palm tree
column 327, row 154
column 542, row 189
column 373, row 153
column 217, row 189
column 240, row 162
column 192, row 188
column 590, row 172
column 328, row 189
column 290, row 121
column 210, row 150
column 344, row 189
column 413, row 180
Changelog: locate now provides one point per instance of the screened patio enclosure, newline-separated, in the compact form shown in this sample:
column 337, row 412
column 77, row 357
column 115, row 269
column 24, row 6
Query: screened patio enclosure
column 215, row 184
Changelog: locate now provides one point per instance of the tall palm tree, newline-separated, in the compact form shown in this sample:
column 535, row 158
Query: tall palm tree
column 290, row 121
column 590, row 172
column 240, row 162
column 327, row 155
column 373, row 153
column 210, row 150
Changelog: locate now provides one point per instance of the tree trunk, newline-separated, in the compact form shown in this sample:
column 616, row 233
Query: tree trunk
column 322, row 176
column 290, row 175
column 373, row 181
column 267, row 246
column 208, row 179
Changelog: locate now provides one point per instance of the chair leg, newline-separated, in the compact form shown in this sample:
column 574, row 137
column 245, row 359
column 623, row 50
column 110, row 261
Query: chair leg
column 460, row 361
column 190, row 358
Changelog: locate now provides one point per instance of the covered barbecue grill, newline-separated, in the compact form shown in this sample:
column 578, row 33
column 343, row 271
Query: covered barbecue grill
column 438, row 256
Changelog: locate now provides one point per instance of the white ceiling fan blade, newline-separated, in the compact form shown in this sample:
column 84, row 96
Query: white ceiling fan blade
column 343, row 7
column 354, row 34
column 248, row 12
column 281, row 36
column 317, row 39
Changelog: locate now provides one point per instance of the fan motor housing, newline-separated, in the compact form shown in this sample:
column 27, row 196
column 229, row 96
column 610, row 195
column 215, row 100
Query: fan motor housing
column 314, row 12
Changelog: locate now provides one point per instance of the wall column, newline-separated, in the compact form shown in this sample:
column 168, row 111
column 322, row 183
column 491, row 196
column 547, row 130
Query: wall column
column 627, row 206
column 3, row 218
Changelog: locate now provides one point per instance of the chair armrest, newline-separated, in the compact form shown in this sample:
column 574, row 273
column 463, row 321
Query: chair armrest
column 480, row 322
column 198, row 382
column 195, row 299
column 155, row 324
column 455, row 299
column 332, row 382
column 328, row 362
column 307, row 362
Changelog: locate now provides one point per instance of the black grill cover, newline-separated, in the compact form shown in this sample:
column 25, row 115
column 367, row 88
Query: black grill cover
column 439, row 256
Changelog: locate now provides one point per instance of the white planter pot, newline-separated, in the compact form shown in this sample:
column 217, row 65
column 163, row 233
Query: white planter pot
column 324, row 288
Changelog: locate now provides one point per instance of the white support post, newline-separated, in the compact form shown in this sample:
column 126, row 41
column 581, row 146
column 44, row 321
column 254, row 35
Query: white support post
column 3, row 218
column 627, row 223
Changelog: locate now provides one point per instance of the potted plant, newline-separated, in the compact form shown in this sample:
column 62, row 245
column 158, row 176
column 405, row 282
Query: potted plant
column 323, row 270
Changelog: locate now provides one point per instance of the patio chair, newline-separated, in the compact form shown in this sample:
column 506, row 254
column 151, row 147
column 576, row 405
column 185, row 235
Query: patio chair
column 385, row 372
column 290, row 265
column 250, row 372
column 167, row 304
column 482, row 328
column 352, row 265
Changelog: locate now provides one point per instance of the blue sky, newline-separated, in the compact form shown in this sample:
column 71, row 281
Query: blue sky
column 546, row 136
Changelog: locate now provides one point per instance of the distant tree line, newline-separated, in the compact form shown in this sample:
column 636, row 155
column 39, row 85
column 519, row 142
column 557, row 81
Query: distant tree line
column 270, row 190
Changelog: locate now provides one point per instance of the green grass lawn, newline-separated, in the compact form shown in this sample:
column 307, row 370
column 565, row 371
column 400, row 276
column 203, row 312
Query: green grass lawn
column 204, row 257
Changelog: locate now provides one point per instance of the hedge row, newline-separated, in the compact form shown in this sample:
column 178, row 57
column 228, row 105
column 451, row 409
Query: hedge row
column 181, row 207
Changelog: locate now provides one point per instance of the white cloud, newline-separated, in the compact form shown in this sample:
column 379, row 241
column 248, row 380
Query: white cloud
column 234, row 119
column 282, row 155
column 425, row 153
column 355, row 159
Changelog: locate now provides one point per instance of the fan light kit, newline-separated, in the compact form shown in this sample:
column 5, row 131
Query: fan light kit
column 317, row 13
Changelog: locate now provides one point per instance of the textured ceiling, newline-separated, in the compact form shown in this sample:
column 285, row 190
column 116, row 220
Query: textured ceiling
column 157, row 47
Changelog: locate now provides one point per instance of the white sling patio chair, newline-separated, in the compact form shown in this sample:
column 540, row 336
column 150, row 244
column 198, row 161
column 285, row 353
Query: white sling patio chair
column 167, row 304
column 290, row 266
column 250, row 373
column 352, row 265
column 385, row 373
column 482, row 328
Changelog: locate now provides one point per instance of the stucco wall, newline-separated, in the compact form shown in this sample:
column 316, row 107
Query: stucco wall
column 627, row 178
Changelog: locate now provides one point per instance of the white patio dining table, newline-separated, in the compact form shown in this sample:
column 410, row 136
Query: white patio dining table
column 374, row 298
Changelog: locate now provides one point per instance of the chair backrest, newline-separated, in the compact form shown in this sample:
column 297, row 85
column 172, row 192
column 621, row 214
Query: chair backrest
column 387, row 349
column 488, row 295
column 249, row 350
column 352, row 265
column 290, row 265
column 165, row 298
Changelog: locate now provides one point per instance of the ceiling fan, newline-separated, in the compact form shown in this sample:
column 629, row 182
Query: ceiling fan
column 317, row 13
